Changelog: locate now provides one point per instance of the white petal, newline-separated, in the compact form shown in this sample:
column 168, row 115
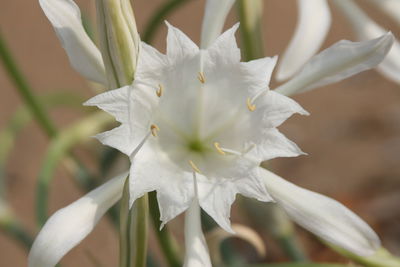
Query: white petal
column 224, row 49
column 196, row 254
column 213, row 20
column 313, row 23
column 123, row 104
column 83, row 54
column 261, row 69
column 390, row 7
column 366, row 29
column 114, row 102
column 152, row 170
column 338, row 62
column 179, row 46
column 69, row 226
column 273, row 109
column 271, row 144
column 216, row 194
column 322, row 216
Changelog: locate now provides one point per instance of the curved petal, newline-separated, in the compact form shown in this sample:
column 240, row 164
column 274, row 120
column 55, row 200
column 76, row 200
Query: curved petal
column 390, row 7
column 70, row 225
column 213, row 20
column 83, row 54
column 365, row 29
column 313, row 23
column 322, row 216
column 338, row 62
column 196, row 254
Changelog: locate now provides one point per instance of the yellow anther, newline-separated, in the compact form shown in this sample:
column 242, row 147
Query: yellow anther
column 160, row 90
column 154, row 129
column 194, row 167
column 218, row 148
column 250, row 106
column 201, row 77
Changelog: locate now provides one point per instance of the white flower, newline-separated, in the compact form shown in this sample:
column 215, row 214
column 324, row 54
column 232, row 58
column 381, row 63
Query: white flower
column 209, row 113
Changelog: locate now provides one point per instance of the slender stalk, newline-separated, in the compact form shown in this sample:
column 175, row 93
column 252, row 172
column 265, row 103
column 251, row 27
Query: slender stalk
column 25, row 91
column 167, row 243
column 15, row 230
column 139, row 231
column 133, row 230
column 250, row 15
column 159, row 16
column 279, row 225
column 58, row 149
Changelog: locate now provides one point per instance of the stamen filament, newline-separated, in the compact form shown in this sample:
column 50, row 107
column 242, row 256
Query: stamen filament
column 218, row 148
column 194, row 167
column 160, row 90
column 154, row 129
column 201, row 77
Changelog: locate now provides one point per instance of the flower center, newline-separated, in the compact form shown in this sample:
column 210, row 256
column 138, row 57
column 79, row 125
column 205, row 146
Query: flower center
column 197, row 146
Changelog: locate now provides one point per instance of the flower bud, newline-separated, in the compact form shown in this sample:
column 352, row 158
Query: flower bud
column 119, row 40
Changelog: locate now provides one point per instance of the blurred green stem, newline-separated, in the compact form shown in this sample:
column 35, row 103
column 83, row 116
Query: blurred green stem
column 58, row 148
column 133, row 230
column 382, row 258
column 250, row 15
column 158, row 17
column 15, row 230
column 279, row 225
column 166, row 241
column 25, row 91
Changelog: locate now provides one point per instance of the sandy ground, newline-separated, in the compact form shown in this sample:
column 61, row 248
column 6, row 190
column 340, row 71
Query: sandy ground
column 352, row 136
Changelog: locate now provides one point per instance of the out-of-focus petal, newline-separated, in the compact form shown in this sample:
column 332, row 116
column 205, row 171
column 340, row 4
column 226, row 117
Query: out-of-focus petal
column 338, row 62
column 83, row 54
column 322, row 216
column 213, row 20
column 365, row 29
column 69, row 226
column 313, row 23
column 196, row 254
column 390, row 7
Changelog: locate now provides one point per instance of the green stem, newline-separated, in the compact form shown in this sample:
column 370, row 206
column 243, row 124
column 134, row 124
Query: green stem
column 139, row 231
column 25, row 91
column 167, row 243
column 250, row 15
column 158, row 17
column 133, row 230
column 58, row 149
column 381, row 258
column 15, row 230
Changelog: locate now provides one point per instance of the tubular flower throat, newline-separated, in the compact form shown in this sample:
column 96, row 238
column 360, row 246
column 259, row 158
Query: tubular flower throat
column 198, row 111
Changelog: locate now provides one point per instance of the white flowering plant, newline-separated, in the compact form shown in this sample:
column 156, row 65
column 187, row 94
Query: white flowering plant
column 195, row 127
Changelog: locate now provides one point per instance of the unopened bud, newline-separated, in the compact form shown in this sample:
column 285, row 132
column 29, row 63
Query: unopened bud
column 119, row 40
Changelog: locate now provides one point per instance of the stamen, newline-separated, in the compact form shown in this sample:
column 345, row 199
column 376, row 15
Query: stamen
column 194, row 167
column 154, row 129
column 250, row 101
column 160, row 90
column 201, row 77
column 250, row 106
column 218, row 148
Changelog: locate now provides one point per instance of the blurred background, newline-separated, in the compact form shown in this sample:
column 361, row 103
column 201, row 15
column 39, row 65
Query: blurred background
column 352, row 136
